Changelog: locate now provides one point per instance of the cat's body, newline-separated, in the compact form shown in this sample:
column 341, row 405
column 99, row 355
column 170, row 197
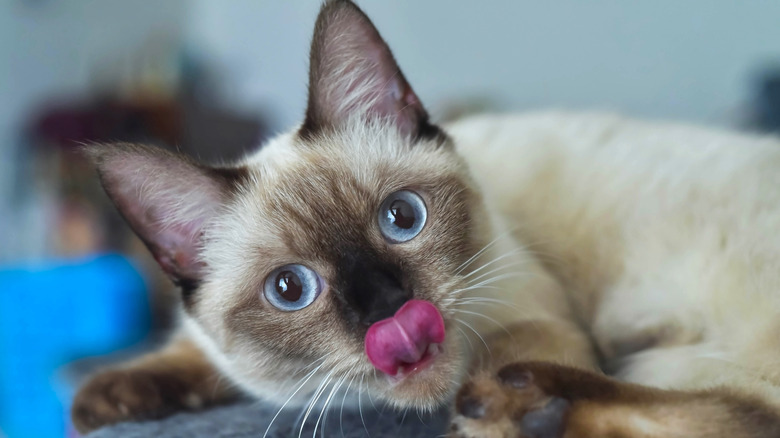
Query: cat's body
column 421, row 258
column 661, row 234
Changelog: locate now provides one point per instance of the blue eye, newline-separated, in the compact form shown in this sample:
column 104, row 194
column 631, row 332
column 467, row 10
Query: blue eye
column 402, row 216
column 292, row 287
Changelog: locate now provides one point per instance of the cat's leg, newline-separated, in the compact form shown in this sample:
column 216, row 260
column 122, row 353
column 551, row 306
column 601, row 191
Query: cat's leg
column 544, row 400
column 178, row 377
column 716, row 394
column 749, row 368
column 553, row 340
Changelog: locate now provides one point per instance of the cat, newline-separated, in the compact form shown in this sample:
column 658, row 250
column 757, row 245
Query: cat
column 500, row 262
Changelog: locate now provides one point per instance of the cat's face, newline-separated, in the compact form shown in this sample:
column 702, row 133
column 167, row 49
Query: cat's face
column 288, row 259
column 313, row 215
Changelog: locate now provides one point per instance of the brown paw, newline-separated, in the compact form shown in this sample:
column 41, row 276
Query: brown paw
column 133, row 394
column 544, row 400
column 529, row 400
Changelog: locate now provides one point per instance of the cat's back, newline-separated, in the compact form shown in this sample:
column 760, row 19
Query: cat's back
column 621, row 202
column 595, row 161
column 607, row 142
column 556, row 160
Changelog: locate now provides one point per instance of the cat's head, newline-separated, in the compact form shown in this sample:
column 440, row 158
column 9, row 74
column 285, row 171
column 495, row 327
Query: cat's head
column 286, row 259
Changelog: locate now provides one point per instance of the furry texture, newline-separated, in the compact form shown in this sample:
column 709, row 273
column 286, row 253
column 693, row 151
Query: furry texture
column 658, row 230
column 550, row 237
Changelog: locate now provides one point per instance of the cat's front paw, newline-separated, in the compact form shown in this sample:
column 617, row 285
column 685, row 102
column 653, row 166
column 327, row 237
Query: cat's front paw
column 132, row 394
column 529, row 400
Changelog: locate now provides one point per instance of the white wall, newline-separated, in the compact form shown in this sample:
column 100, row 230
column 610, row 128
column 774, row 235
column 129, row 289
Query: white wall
column 666, row 58
column 49, row 50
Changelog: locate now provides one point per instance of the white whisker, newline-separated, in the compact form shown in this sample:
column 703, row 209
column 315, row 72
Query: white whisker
column 488, row 318
column 307, row 378
column 512, row 253
column 514, row 264
column 497, row 278
column 471, row 259
column 476, row 333
column 486, row 300
column 313, row 402
column 335, row 388
column 368, row 393
column 360, row 406
column 403, row 418
column 418, row 416
column 471, row 346
column 341, row 411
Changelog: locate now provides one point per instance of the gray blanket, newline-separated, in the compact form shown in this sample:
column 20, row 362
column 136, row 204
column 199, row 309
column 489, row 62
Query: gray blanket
column 247, row 419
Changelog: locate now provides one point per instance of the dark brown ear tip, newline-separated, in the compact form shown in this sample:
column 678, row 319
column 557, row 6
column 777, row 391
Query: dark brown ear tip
column 94, row 152
column 339, row 3
column 331, row 7
column 100, row 153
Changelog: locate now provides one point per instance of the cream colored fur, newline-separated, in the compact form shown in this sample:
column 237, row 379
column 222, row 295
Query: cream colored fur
column 649, row 230
column 655, row 229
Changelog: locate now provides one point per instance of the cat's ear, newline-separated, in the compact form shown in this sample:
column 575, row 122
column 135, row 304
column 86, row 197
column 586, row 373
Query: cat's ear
column 353, row 73
column 166, row 198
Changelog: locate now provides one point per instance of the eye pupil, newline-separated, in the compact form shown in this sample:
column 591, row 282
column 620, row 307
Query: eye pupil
column 401, row 214
column 289, row 286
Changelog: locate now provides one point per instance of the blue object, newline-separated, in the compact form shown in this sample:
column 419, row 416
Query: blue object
column 51, row 314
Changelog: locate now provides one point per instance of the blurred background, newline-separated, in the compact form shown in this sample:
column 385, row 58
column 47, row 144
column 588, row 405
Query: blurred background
column 213, row 79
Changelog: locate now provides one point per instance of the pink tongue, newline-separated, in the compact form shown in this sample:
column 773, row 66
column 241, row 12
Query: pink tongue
column 404, row 338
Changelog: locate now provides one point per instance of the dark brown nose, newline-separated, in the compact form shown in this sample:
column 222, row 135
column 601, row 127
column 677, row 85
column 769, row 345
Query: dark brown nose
column 373, row 290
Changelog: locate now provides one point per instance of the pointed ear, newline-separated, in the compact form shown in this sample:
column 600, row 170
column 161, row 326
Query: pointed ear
column 166, row 198
column 353, row 73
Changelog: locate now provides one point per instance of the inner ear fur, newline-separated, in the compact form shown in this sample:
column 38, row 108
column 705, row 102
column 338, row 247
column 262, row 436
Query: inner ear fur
column 167, row 199
column 353, row 74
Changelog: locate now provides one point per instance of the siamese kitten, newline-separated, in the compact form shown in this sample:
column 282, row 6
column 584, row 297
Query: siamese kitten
column 497, row 261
